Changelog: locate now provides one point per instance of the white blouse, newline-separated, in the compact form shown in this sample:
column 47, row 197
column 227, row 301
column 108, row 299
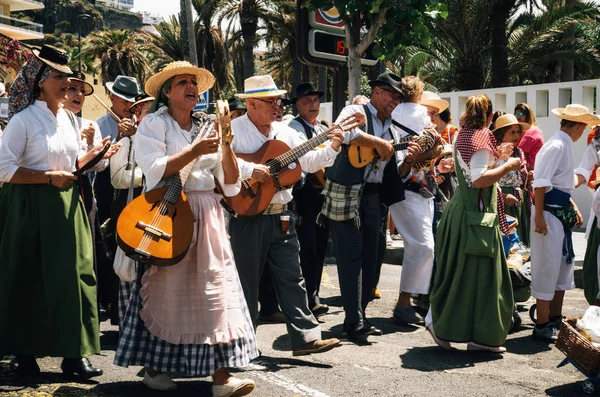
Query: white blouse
column 120, row 174
column 480, row 162
column 158, row 137
column 36, row 139
column 82, row 124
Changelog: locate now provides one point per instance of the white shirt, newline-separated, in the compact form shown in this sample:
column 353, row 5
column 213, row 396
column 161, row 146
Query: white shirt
column 120, row 175
column 36, row 139
column 588, row 162
column 298, row 126
column 554, row 164
column 82, row 124
column 158, row 137
column 248, row 139
column 373, row 174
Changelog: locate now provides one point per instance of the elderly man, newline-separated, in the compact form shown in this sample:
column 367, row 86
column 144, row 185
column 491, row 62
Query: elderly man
column 271, row 237
column 353, row 203
column 122, row 95
column 309, row 201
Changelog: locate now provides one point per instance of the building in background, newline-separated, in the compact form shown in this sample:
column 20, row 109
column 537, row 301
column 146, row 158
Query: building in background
column 17, row 28
column 149, row 20
column 120, row 4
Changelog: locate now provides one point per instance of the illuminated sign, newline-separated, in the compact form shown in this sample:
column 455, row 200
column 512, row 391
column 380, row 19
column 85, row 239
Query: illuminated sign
column 329, row 45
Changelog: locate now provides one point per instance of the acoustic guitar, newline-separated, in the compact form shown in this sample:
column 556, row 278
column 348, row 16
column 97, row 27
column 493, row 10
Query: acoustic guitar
column 285, row 170
column 361, row 156
column 156, row 228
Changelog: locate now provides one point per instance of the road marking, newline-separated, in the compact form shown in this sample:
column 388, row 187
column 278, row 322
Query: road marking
column 365, row 368
column 282, row 381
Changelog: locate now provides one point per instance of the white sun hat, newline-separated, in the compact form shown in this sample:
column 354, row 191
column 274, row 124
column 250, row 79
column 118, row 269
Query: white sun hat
column 577, row 113
column 260, row 86
column 434, row 100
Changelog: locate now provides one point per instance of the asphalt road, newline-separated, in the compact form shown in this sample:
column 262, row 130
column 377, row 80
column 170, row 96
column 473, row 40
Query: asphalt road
column 402, row 362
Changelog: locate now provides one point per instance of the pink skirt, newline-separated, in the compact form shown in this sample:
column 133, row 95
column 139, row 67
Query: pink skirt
column 197, row 301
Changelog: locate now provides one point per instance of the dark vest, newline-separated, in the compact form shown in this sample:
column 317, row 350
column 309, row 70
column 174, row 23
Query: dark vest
column 343, row 173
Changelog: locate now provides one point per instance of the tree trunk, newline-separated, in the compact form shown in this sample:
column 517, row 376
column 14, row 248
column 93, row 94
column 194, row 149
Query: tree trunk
column 354, row 70
column 498, row 19
column 184, row 28
column 249, row 24
column 312, row 74
column 297, row 76
column 191, row 33
column 567, row 70
column 323, row 82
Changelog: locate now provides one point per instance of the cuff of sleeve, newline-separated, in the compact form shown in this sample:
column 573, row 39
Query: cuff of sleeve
column 542, row 183
column 231, row 190
column 158, row 170
column 331, row 152
column 583, row 172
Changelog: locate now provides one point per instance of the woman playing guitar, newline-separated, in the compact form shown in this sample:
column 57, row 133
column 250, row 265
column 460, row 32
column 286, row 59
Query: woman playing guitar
column 192, row 316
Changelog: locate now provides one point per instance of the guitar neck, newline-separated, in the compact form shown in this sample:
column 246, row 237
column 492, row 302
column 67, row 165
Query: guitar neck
column 299, row 151
column 402, row 145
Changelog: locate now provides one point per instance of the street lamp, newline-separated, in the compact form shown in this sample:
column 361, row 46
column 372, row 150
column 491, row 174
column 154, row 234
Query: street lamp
column 80, row 18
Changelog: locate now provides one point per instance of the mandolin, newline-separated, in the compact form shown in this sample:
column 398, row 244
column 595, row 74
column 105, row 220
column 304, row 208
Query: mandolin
column 360, row 156
column 156, row 228
column 285, row 170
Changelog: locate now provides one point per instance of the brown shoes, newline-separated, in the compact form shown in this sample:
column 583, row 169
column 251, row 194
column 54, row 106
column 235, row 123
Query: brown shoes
column 316, row 346
column 375, row 293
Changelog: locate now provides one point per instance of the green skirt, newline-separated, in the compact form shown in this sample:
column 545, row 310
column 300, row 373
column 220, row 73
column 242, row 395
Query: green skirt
column 471, row 297
column 47, row 283
column 520, row 212
column 590, row 265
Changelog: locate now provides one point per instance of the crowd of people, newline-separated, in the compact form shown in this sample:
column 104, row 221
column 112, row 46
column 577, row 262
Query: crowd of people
column 446, row 190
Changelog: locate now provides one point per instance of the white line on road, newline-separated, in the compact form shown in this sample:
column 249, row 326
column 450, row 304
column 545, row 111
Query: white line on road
column 365, row 368
column 282, row 381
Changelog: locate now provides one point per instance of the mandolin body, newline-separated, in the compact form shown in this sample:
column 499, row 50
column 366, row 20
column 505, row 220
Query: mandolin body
column 155, row 234
column 255, row 197
column 361, row 156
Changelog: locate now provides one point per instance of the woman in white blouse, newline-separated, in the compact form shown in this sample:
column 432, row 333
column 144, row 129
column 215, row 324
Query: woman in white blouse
column 47, row 282
column 192, row 317
column 471, row 294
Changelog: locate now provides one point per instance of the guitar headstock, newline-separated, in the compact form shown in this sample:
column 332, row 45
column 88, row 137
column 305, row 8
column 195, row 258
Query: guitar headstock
column 224, row 122
column 354, row 120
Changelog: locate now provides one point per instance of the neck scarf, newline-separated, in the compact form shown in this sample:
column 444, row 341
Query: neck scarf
column 22, row 91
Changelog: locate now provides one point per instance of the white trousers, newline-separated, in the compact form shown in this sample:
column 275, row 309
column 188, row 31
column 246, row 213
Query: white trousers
column 413, row 218
column 549, row 269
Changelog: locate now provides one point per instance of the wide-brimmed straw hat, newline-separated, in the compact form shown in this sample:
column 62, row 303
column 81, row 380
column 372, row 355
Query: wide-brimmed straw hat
column 80, row 77
column 125, row 87
column 509, row 119
column 54, row 57
column 141, row 98
column 260, row 86
column 434, row 100
column 204, row 78
column 577, row 113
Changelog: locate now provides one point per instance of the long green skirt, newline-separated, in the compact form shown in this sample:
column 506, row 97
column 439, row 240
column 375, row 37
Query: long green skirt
column 47, row 284
column 590, row 265
column 520, row 212
column 471, row 296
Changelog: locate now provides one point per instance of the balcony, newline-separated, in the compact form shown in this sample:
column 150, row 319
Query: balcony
column 20, row 29
column 22, row 5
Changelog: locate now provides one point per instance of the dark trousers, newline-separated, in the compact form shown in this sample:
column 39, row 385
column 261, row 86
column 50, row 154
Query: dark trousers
column 258, row 240
column 313, row 239
column 266, row 293
column 357, row 252
column 382, row 242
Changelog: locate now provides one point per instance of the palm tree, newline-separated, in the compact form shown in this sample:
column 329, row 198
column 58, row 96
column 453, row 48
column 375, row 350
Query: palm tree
column 168, row 46
column 121, row 52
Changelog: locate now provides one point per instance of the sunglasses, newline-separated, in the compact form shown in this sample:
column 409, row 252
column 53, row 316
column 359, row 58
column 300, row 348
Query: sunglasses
column 395, row 95
column 519, row 114
column 275, row 101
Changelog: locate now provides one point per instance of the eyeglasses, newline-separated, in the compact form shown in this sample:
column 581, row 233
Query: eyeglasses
column 520, row 114
column 75, row 90
column 395, row 95
column 274, row 101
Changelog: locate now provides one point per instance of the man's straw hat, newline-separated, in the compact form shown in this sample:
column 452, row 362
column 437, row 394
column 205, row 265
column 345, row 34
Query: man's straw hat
column 205, row 78
column 434, row 100
column 509, row 119
column 577, row 113
column 260, row 86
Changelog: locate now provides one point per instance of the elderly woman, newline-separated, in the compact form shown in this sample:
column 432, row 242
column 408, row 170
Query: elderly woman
column 471, row 296
column 47, row 282
column 190, row 318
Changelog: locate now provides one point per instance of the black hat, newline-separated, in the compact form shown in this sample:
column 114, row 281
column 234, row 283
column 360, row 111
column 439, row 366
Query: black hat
column 284, row 101
column 306, row 89
column 79, row 76
column 387, row 78
column 139, row 99
column 124, row 87
column 236, row 104
column 54, row 57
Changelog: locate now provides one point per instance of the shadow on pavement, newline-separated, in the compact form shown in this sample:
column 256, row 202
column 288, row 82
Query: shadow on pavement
column 184, row 388
column 109, row 340
column 282, row 342
column 567, row 390
column 433, row 358
column 525, row 345
column 275, row 364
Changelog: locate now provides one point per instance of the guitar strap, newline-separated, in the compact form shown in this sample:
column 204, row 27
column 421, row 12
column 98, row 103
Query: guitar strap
column 183, row 177
column 405, row 128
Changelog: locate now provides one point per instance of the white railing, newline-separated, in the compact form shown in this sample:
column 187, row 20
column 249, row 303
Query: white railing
column 21, row 24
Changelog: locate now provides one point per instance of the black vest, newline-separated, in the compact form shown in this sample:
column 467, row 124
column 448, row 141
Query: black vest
column 343, row 173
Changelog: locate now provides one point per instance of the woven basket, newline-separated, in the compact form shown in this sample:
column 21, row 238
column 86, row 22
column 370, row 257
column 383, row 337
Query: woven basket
column 577, row 348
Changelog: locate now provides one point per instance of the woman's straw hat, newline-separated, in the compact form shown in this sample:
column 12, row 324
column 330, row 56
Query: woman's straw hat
column 577, row 113
column 509, row 119
column 260, row 86
column 205, row 78
column 54, row 57
column 434, row 100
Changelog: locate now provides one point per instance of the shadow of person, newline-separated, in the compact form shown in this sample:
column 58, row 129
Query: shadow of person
column 434, row 358
column 567, row 390
column 10, row 381
column 525, row 345
column 187, row 387
column 109, row 340
column 275, row 364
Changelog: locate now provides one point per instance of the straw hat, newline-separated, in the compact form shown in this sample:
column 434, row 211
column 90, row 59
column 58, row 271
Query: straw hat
column 54, row 57
column 577, row 113
column 434, row 100
column 260, row 86
column 509, row 119
column 80, row 77
column 205, row 78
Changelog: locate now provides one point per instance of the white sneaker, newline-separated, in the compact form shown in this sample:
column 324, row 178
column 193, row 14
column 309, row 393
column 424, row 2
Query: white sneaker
column 388, row 238
column 234, row 388
column 161, row 382
column 441, row 343
column 492, row 349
